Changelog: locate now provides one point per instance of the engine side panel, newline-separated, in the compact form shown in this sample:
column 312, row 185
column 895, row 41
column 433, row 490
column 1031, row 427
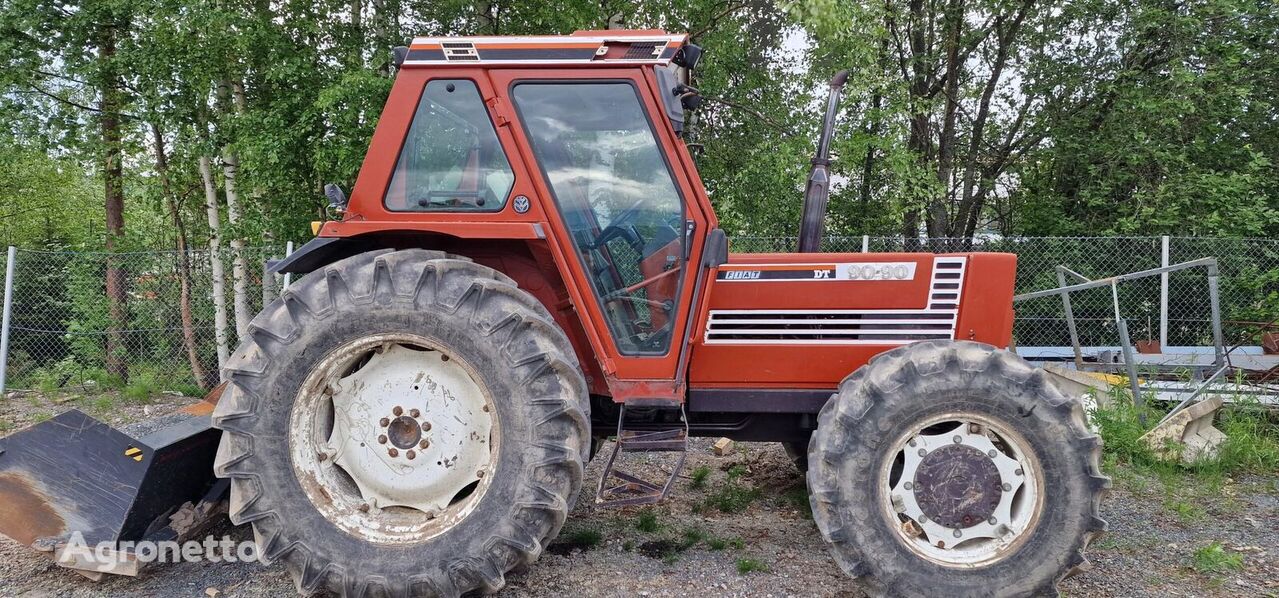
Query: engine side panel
column 808, row 320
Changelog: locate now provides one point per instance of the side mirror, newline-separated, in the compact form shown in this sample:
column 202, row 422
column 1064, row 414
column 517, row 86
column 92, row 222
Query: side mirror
column 715, row 252
column 687, row 56
column 398, row 54
column 337, row 197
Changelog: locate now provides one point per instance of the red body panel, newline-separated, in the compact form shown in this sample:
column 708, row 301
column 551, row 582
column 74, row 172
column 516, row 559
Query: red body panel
column 983, row 314
column 861, row 292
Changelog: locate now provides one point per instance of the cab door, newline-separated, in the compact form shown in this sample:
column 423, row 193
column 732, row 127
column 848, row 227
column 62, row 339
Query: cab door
column 619, row 210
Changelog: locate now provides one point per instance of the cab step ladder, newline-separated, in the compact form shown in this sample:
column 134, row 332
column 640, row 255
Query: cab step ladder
column 618, row 488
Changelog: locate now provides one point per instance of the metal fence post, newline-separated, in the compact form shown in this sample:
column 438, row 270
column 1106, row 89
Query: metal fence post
column 1070, row 321
column 8, row 312
column 288, row 276
column 1163, row 294
column 865, row 243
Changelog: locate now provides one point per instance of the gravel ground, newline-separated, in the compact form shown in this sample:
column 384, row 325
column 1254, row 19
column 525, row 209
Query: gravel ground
column 688, row 546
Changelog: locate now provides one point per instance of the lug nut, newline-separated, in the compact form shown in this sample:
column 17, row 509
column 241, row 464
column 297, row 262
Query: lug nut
column 397, row 410
column 908, row 486
column 414, row 413
column 1018, row 472
column 392, row 452
column 922, row 452
column 381, row 439
column 991, row 453
column 974, row 429
column 425, row 443
column 1008, row 487
column 410, row 454
column 444, row 357
column 991, row 521
column 479, row 474
column 958, row 533
column 426, row 426
column 384, row 422
column 486, row 409
column 958, row 439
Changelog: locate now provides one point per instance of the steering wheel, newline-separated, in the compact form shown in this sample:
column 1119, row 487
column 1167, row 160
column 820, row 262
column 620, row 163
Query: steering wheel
column 620, row 227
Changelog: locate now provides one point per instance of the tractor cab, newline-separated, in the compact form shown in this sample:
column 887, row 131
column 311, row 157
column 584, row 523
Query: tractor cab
column 569, row 146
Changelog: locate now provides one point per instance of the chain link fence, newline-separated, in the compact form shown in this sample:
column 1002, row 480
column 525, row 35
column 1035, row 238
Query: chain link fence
column 63, row 331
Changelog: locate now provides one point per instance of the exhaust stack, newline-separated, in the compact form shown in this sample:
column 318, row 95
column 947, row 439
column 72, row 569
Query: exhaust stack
column 813, row 223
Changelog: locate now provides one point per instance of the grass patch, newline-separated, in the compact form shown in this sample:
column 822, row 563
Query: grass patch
column 646, row 521
column 745, row 566
column 1252, row 440
column 585, row 538
column 717, row 544
column 578, row 539
column 735, row 472
column 5, row 425
column 1214, row 559
column 1187, row 512
column 141, row 388
column 731, row 498
column 796, row 497
column 699, row 477
column 692, row 537
column 103, row 404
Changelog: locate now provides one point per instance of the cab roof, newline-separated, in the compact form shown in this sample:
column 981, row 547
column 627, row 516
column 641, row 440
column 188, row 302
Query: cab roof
column 596, row 48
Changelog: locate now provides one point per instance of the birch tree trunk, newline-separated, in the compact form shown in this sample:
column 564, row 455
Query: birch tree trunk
column 215, row 261
column 239, row 269
column 184, row 262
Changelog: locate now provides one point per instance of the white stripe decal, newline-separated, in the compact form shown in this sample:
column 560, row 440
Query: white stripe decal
column 936, row 321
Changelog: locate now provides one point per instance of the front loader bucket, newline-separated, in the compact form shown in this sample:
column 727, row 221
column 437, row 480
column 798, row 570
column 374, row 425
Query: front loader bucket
column 73, row 473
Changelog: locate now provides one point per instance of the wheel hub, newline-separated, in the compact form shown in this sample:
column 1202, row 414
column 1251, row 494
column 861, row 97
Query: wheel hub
column 404, row 432
column 962, row 488
column 411, row 429
column 957, row 486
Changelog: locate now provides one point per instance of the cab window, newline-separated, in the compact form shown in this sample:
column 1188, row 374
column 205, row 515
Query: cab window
column 451, row 159
column 613, row 188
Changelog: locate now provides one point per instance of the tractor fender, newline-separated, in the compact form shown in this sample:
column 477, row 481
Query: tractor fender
column 318, row 252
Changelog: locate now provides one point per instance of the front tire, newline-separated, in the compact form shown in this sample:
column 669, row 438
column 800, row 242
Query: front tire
column 307, row 447
column 955, row 467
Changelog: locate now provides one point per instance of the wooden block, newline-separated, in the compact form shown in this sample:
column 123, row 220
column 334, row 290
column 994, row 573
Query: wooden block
column 722, row 447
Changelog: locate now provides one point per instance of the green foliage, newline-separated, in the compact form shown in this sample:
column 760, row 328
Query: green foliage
column 745, row 565
column 1252, row 439
column 1214, row 558
column 583, row 538
column 699, row 476
column 646, row 521
column 142, row 388
column 732, row 497
column 692, row 537
column 797, row 498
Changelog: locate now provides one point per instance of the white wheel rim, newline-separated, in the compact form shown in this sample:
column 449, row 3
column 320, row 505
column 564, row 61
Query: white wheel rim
column 393, row 439
column 972, row 523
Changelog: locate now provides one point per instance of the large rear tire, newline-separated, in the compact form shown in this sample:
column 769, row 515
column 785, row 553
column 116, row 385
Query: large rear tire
column 470, row 471
column 955, row 467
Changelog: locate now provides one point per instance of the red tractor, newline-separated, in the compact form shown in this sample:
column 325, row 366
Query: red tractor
column 528, row 264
